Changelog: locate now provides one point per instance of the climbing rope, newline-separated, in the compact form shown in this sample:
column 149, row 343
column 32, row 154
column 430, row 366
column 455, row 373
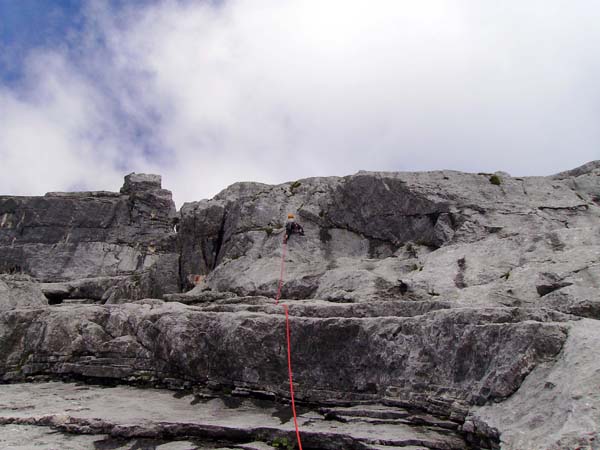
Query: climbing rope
column 287, row 334
column 281, row 273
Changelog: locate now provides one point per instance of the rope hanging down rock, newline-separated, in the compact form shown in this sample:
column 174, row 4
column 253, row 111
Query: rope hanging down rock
column 287, row 334
column 281, row 273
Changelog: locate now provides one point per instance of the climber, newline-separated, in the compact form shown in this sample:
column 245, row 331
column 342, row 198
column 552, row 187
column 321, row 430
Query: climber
column 292, row 227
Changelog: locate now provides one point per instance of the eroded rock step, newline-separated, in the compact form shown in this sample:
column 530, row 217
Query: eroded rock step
column 126, row 417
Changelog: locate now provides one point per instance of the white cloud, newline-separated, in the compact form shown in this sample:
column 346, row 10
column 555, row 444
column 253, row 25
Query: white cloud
column 50, row 132
column 275, row 90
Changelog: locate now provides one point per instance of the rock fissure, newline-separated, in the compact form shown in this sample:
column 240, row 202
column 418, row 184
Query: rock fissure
column 219, row 241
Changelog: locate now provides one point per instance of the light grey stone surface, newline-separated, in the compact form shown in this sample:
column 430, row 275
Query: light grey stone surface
column 28, row 437
column 558, row 405
column 125, row 412
column 66, row 237
column 18, row 291
column 441, row 361
column 442, row 292
column 367, row 232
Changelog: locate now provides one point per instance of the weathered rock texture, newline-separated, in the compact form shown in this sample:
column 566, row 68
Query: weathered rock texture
column 458, row 296
column 468, row 355
column 557, row 406
column 237, row 422
column 374, row 234
column 19, row 291
column 93, row 242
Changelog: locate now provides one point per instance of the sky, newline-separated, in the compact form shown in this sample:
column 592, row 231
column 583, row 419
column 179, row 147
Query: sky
column 207, row 93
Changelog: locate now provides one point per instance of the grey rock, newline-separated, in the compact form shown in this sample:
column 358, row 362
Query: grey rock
column 26, row 437
column 550, row 282
column 358, row 227
column 66, row 237
column 91, row 288
column 198, row 295
column 200, row 236
column 577, row 300
column 139, row 182
column 592, row 166
column 456, row 296
column 469, row 354
column 557, row 405
column 20, row 292
column 155, row 415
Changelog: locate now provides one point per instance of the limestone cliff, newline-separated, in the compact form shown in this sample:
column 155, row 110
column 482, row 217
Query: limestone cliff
column 94, row 245
column 451, row 303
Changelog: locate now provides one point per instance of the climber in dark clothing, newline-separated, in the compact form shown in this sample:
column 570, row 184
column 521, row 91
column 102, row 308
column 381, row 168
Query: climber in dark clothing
column 292, row 227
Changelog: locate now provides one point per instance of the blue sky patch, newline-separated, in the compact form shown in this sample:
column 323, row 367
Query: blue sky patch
column 33, row 24
column 26, row 25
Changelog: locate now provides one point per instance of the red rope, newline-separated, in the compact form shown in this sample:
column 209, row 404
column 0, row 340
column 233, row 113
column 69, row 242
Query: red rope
column 281, row 273
column 289, row 352
column 287, row 332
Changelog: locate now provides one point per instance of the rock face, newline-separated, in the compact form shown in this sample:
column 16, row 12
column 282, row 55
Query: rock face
column 469, row 299
column 20, row 292
column 477, row 355
column 119, row 241
column 420, row 235
column 564, row 396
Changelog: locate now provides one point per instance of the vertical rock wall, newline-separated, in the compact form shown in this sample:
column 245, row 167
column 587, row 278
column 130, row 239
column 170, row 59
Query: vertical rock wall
column 125, row 240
